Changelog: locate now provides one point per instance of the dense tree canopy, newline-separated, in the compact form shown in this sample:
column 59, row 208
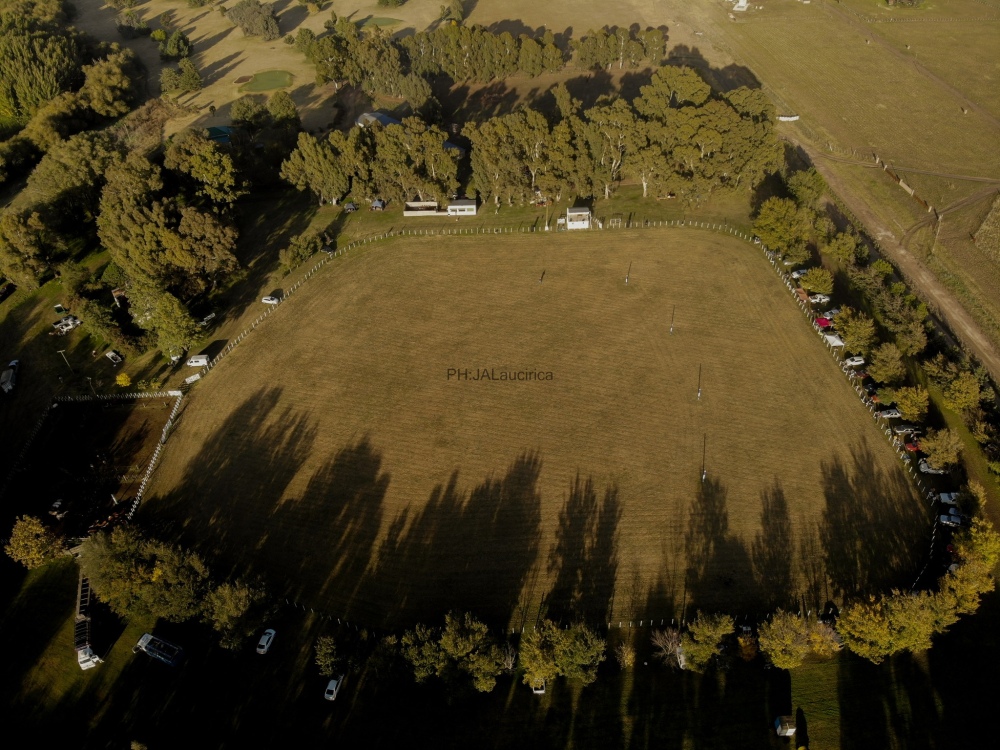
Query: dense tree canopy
column 549, row 651
column 136, row 576
column 38, row 60
column 32, row 543
column 784, row 227
column 703, row 641
column 255, row 19
column 463, row 649
column 886, row 365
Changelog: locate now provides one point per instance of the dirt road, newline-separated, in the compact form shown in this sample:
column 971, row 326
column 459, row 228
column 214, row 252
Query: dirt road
column 938, row 297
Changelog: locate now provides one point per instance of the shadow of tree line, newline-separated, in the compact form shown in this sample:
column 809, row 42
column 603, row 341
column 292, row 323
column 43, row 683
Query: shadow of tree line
column 480, row 549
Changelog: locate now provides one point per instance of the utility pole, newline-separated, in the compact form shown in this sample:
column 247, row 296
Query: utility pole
column 63, row 353
column 672, row 313
column 699, row 382
column 628, row 272
column 90, row 382
column 704, row 451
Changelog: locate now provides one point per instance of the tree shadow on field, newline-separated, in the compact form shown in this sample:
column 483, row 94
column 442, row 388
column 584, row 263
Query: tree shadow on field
column 585, row 555
column 492, row 100
column 893, row 704
column 230, row 489
column 472, row 552
column 220, row 68
column 772, row 549
column 720, row 79
column 320, row 543
column 591, row 86
column 720, row 576
column 874, row 528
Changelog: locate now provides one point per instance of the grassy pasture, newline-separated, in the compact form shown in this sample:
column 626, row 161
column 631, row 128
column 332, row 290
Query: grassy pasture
column 857, row 93
column 332, row 453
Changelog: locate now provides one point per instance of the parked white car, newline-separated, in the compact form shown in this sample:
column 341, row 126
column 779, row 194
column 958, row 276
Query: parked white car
column 799, row 273
column 271, row 301
column 890, row 414
column 926, row 468
column 264, row 645
column 198, row 360
column 819, row 299
column 333, row 687
column 854, row 361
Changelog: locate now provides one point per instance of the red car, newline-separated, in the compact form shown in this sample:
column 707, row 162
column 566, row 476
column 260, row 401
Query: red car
column 912, row 445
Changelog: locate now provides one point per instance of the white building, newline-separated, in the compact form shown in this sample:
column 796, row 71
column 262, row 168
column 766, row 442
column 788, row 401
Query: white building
column 420, row 208
column 462, row 207
column 578, row 218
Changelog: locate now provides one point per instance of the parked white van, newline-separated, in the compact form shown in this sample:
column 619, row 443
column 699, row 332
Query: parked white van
column 198, row 360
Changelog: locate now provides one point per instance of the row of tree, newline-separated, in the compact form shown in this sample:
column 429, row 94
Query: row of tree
column 396, row 162
column 137, row 576
column 794, row 228
column 140, row 576
column 385, row 66
column 676, row 139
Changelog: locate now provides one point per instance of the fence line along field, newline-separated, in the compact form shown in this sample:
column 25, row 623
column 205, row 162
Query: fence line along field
column 347, row 453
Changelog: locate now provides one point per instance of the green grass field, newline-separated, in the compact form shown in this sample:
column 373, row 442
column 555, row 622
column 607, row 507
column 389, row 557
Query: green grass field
column 332, row 452
column 268, row 80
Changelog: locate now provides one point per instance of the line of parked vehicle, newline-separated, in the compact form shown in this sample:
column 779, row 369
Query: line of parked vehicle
column 905, row 433
column 172, row 655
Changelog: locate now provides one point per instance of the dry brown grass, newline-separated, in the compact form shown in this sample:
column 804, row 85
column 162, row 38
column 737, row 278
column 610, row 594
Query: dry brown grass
column 331, row 453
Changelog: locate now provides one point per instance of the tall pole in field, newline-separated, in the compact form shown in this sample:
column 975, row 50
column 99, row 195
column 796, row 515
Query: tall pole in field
column 628, row 272
column 699, row 382
column 672, row 313
column 704, row 451
column 63, row 353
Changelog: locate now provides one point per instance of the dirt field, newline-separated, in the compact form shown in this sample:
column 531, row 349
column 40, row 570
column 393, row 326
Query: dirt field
column 336, row 453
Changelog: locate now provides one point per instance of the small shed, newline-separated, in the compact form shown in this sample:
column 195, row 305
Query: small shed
column 462, row 207
column 785, row 726
column 578, row 218
column 834, row 340
column 377, row 205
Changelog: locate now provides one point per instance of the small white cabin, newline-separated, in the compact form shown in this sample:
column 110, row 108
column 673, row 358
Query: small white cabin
column 578, row 218
column 462, row 207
